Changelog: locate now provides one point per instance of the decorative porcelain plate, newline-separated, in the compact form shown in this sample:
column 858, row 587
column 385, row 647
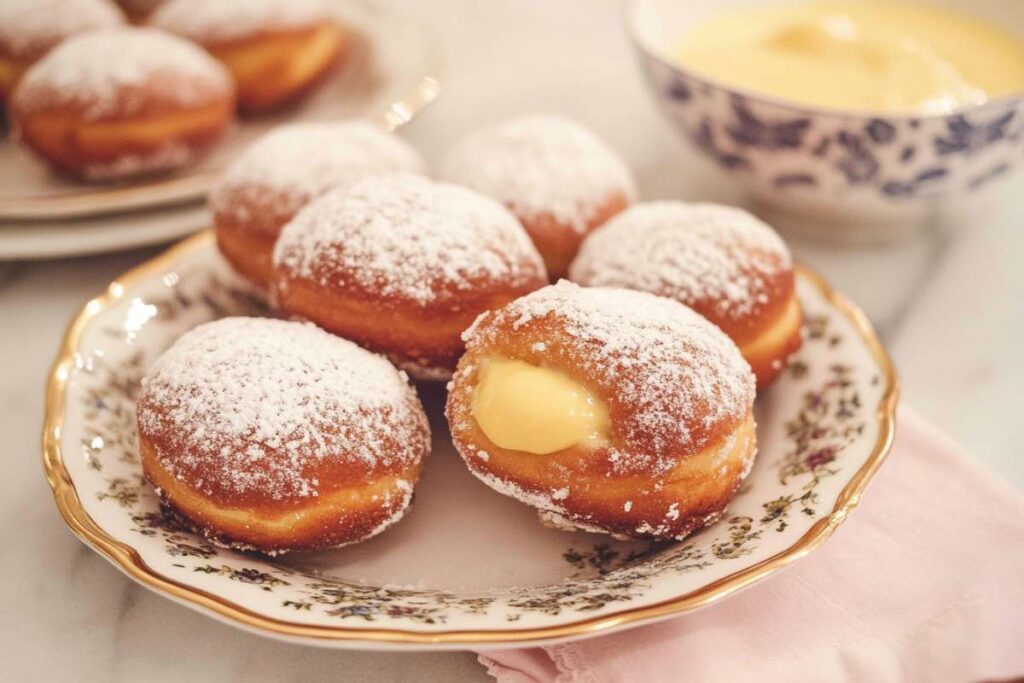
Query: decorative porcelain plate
column 47, row 239
column 391, row 74
column 467, row 566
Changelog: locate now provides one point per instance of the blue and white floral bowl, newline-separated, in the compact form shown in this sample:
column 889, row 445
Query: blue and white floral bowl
column 846, row 176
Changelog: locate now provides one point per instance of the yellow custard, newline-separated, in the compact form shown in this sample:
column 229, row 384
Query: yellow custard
column 864, row 54
column 524, row 407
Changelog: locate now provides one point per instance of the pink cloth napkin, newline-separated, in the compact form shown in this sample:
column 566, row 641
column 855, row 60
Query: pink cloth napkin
column 924, row 582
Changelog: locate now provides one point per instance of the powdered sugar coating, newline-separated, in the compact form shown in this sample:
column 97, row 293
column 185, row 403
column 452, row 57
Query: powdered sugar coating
column 254, row 407
column 407, row 238
column 169, row 156
column 670, row 377
column 292, row 164
column 28, row 28
column 121, row 71
column 541, row 166
column 224, row 20
column 699, row 254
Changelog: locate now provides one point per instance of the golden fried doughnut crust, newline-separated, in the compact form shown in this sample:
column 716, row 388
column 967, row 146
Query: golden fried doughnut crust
column 559, row 179
column 403, row 265
column 276, row 50
column 248, row 251
column 274, row 70
column 138, row 11
column 122, row 102
column 279, row 436
column 283, row 171
column 558, row 241
column 719, row 260
column 11, row 70
column 679, row 398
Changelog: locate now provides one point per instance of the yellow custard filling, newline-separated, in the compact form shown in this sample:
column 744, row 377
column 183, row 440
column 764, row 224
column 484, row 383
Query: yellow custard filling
column 864, row 54
column 523, row 407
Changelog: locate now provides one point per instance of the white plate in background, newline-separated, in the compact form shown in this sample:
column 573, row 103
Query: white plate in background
column 391, row 74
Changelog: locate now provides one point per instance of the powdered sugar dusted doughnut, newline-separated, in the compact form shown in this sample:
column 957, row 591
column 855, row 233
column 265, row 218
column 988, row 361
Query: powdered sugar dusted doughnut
column 557, row 177
column 721, row 261
column 402, row 265
column 279, row 436
column 121, row 102
column 285, row 169
column 275, row 49
column 30, row 28
column 668, row 397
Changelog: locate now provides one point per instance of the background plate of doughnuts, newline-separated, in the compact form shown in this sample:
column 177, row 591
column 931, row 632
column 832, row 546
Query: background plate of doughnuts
column 467, row 566
column 118, row 118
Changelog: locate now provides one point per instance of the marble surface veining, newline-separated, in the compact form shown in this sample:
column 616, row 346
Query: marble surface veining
column 947, row 304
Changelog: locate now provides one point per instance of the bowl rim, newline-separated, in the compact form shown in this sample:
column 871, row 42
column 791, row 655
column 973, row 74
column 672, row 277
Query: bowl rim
column 640, row 44
column 128, row 560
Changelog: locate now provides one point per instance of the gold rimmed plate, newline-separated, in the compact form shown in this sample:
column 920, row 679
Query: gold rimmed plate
column 390, row 75
column 467, row 566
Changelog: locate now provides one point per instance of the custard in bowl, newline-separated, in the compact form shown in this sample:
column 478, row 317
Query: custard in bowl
column 853, row 121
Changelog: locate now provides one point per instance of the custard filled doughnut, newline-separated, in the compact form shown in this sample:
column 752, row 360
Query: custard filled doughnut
column 559, row 180
column 278, row 436
column 719, row 260
column 402, row 265
column 285, row 169
column 608, row 410
column 122, row 102
column 276, row 50
column 31, row 28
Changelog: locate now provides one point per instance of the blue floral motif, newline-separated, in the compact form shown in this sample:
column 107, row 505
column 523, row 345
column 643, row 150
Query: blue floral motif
column 794, row 180
column 897, row 188
column 990, row 174
column 749, row 130
column 680, row 91
column 821, row 148
column 967, row 138
column 881, row 132
column 704, row 138
column 858, row 164
column 931, row 174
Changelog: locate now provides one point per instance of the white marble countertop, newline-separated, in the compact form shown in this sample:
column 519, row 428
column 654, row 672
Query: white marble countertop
column 948, row 306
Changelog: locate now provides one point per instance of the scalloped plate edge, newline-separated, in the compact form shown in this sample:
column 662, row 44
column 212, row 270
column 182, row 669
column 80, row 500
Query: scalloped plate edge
column 128, row 560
